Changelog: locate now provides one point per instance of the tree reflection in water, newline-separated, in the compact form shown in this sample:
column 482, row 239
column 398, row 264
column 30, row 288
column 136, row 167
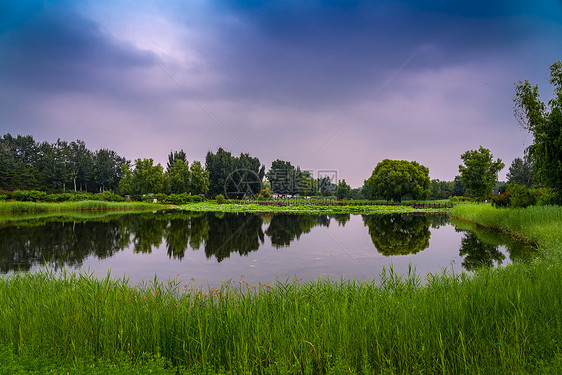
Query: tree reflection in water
column 478, row 253
column 284, row 229
column 395, row 234
column 64, row 240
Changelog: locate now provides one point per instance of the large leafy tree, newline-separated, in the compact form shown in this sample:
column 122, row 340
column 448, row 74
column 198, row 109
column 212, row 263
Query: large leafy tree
column 479, row 174
column 147, row 177
column 393, row 179
column 545, row 124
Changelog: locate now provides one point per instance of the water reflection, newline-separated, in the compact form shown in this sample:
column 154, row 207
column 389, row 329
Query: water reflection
column 481, row 247
column 478, row 253
column 229, row 233
column 69, row 241
column 398, row 234
column 284, row 229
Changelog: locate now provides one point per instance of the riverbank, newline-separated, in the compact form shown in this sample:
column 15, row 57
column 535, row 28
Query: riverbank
column 504, row 320
column 17, row 207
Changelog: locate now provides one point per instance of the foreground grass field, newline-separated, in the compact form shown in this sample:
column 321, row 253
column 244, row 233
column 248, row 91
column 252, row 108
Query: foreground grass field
column 506, row 320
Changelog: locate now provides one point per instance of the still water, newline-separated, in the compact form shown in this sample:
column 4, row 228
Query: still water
column 207, row 248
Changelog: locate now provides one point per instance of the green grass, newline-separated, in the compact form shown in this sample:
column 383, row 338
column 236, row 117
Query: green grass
column 77, row 206
column 506, row 320
column 539, row 224
column 305, row 209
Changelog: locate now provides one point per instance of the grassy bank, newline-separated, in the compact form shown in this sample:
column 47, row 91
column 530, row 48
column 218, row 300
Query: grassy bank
column 307, row 208
column 539, row 224
column 14, row 207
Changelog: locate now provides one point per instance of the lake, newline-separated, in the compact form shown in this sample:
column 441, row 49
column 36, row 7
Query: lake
column 208, row 248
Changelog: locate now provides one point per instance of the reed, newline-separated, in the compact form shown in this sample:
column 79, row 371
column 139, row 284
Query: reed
column 496, row 322
column 14, row 207
column 539, row 224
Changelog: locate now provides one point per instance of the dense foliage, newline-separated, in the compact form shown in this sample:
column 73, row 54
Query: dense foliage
column 393, row 179
column 234, row 177
column 521, row 172
column 480, row 172
column 56, row 167
column 545, row 126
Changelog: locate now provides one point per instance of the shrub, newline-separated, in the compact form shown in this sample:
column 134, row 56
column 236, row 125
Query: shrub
column 546, row 196
column 197, row 198
column 182, row 198
column 29, row 195
column 521, row 196
column 3, row 197
column 501, row 200
column 110, row 197
column 220, row 198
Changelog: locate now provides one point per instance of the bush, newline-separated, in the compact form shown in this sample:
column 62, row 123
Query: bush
column 197, row 199
column 29, row 195
column 220, row 198
column 3, row 197
column 546, row 197
column 521, row 196
column 182, row 198
column 110, row 197
column 501, row 200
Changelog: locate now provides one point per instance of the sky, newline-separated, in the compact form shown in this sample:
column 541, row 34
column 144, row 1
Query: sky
column 327, row 85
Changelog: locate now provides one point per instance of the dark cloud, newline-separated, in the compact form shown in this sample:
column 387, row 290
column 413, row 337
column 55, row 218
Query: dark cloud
column 59, row 50
column 312, row 53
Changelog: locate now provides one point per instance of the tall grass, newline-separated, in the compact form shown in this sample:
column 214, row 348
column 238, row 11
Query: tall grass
column 66, row 206
column 539, row 224
column 502, row 321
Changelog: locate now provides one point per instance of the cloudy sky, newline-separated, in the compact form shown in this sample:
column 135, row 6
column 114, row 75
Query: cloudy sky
column 327, row 85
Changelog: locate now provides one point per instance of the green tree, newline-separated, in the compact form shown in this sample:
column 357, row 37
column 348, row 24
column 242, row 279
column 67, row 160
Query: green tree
column 233, row 176
column 126, row 183
column 479, row 174
column 520, row 172
column 179, row 177
column 546, row 127
column 393, row 179
column 175, row 156
column 458, row 188
column 343, row 190
column 148, row 178
column 199, row 183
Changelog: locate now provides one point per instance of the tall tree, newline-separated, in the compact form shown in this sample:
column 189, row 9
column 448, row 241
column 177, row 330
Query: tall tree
column 520, row 172
column 233, row 176
column 479, row 174
column 546, row 128
column 175, row 156
column 199, row 183
column 393, row 179
column 343, row 190
column 219, row 166
column 179, row 177
column 107, row 169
